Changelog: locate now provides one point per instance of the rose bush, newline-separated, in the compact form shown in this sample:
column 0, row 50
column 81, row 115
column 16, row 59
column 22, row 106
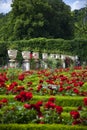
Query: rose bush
column 25, row 85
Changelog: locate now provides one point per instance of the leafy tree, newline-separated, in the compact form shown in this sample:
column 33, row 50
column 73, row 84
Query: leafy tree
column 80, row 19
column 39, row 18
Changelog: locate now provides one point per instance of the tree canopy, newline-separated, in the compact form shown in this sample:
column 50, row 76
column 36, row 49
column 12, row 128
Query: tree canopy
column 80, row 20
column 38, row 18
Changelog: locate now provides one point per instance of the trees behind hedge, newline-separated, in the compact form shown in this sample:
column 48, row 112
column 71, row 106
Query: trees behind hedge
column 39, row 18
column 80, row 19
column 58, row 46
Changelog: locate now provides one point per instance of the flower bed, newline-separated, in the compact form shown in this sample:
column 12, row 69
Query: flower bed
column 45, row 82
column 44, row 97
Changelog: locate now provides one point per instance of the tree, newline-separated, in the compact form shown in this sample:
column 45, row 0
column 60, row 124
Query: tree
column 40, row 18
column 80, row 19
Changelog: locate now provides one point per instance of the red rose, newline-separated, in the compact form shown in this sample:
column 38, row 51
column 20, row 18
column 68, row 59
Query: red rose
column 21, row 77
column 59, row 109
column 79, row 108
column 51, row 99
column 76, row 122
column 49, row 105
column 85, row 101
column 68, row 87
column 39, row 88
column 4, row 100
column 28, row 106
column 29, row 95
column 41, row 81
column 39, row 103
column 0, row 105
column 61, row 89
column 75, row 114
column 76, row 91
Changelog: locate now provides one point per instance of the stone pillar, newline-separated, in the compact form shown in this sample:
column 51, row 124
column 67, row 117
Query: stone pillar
column 35, row 56
column 12, row 55
column 26, row 62
column 44, row 58
column 63, row 61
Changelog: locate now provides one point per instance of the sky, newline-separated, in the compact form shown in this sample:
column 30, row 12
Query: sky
column 5, row 5
column 76, row 4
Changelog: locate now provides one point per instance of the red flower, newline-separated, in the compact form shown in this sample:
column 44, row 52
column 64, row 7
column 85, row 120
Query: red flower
column 2, row 78
column 27, row 106
column 61, row 89
column 76, row 84
column 41, row 122
column 51, row 99
column 24, row 96
column 31, row 56
column 39, row 88
column 20, row 88
column 75, row 114
column 15, row 84
column 41, row 81
column 79, row 108
column 29, row 95
column 4, row 100
column 85, row 101
column 29, row 84
column 39, row 103
column 18, row 97
column 59, row 109
column 30, row 89
column 76, row 91
column 40, row 116
column 0, row 105
column 76, row 122
column 61, row 84
column 21, row 77
column 81, row 83
column 68, row 87
column 49, row 105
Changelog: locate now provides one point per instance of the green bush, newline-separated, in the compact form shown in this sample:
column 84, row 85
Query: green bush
column 40, row 127
column 60, row 100
column 61, row 46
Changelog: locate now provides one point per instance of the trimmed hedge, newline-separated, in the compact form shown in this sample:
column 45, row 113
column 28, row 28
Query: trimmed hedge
column 61, row 46
column 40, row 127
column 60, row 100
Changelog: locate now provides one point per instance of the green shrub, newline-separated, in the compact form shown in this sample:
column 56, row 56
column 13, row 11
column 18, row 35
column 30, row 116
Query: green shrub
column 41, row 127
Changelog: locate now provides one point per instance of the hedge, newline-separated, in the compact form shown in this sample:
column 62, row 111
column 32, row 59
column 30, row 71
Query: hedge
column 60, row 100
column 40, row 127
column 60, row 46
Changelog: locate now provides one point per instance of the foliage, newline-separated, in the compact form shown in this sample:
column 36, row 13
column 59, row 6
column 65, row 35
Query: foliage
column 54, row 46
column 28, row 107
column 41, row 127
column 33, row 18
column 74, row 101
column 80, row 19
column 13, row 73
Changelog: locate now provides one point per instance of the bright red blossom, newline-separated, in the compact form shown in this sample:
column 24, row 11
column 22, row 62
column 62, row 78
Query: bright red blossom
column 52, row 99
column 85, row 101
column 59, row 109
column 76, row 91
column 24, row 96
column 21, row 77
column 76, row 122
column 75, row 114
column 49, row 105
column 27, row 106
column 4, row 100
